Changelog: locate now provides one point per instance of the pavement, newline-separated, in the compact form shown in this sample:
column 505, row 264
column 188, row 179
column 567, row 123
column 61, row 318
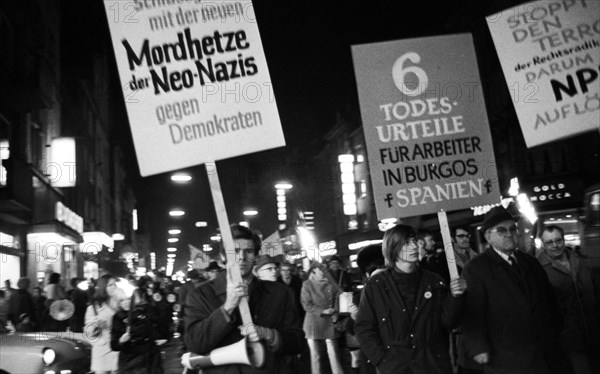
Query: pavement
column 171, row 354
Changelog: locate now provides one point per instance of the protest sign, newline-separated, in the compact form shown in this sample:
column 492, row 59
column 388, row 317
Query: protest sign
column 550, row 55
column 425, row 124
column 194, row 80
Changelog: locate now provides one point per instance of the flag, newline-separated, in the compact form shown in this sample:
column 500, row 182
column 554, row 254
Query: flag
column 272, row 245
column 198, row 257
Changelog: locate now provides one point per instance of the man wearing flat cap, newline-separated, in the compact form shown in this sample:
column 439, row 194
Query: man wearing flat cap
column 512, row 320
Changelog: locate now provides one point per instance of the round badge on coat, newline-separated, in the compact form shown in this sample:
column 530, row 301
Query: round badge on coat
column 171, row 298
column 157, row 297
column 428, row 295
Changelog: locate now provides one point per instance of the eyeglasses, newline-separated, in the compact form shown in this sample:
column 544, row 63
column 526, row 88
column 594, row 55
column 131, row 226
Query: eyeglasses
column 555, row 241
column 462, row 236
column 270, row 268
column 501, row 230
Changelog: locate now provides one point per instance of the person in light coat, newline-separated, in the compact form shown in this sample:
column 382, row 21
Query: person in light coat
column 318, row 297
column 98, row 323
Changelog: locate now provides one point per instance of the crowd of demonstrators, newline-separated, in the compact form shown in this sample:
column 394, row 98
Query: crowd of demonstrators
column 318, row 297
column 213, row 320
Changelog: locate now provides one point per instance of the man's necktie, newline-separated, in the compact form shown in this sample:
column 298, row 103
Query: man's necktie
column 513, row 265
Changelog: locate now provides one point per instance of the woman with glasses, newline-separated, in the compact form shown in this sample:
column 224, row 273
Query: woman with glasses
column 406, row 312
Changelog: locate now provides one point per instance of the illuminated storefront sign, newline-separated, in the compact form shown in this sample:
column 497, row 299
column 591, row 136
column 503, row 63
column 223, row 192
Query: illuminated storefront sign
column 68, row 217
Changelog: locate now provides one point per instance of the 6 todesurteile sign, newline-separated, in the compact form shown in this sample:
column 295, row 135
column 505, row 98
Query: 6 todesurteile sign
column 425, row 126
column 550, row 56
column 195, row 81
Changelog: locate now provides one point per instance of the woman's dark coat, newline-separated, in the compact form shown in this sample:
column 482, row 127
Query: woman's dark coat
column 397, row 341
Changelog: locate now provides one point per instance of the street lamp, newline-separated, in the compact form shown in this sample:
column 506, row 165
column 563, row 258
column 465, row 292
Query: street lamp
column 176, row 213
column 250, row 212
column 181, row 178
column 281, row 188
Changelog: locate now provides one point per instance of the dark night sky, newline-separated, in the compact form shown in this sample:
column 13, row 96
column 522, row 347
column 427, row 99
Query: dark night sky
column 307, row 45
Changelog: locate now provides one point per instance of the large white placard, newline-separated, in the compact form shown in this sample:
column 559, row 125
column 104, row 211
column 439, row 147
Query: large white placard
column 425, row 124
column 195, row 81
column 550, row 55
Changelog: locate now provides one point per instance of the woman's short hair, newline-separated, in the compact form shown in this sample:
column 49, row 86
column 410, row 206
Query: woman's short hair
column 314, row 265
column 393, row 239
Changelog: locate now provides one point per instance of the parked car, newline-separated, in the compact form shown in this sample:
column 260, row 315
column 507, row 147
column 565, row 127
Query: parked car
column 44, row 353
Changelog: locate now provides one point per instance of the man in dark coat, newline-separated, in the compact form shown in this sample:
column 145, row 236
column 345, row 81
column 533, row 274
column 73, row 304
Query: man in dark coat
column 292, row 281
column 79, row 298
column 511, row 321
column 577, row 298
column 212, row 318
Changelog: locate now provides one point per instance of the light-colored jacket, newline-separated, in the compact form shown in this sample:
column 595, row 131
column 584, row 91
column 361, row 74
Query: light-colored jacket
column 316, row 297
column 103, row 357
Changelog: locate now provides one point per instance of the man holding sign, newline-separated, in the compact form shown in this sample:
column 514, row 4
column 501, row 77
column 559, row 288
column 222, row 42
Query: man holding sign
column 213, row 321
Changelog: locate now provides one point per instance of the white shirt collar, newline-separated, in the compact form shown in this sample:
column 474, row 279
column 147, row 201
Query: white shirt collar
column 504, row 255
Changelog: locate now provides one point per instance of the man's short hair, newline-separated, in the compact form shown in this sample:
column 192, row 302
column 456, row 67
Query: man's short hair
column 243, row 232
column 288, row 265
column 552, row 228
column 422, row 234
column 459, row 228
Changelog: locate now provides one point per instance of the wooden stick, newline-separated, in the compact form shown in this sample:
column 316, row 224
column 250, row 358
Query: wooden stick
column 448, row 248
column 227, row 238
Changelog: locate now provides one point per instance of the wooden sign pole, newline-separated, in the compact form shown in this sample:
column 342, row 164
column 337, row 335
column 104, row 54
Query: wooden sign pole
column 448, row 248
column 227, row 238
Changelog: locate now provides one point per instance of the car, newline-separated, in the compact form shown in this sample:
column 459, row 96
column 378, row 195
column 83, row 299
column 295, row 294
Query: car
column 44, row 353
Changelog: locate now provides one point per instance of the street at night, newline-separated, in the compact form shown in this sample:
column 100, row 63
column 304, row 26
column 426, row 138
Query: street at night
column 237, row 186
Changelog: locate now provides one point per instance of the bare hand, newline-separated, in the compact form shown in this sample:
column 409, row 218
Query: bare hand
column 482, row 358
column 328, row 311
column 235, row 292
column 353, row 309
column 262, row 333
column 125, row 338
column 458, row 286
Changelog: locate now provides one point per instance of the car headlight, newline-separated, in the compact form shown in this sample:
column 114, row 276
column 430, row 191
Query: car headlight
column 48, row 355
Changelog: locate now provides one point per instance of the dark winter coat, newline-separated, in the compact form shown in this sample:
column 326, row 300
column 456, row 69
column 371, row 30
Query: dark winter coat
column 513, row 317
column 22, row 307
column 296, row 286
column 577, row 300
column 397, row 341
column 271, row 305
column 140, row 354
